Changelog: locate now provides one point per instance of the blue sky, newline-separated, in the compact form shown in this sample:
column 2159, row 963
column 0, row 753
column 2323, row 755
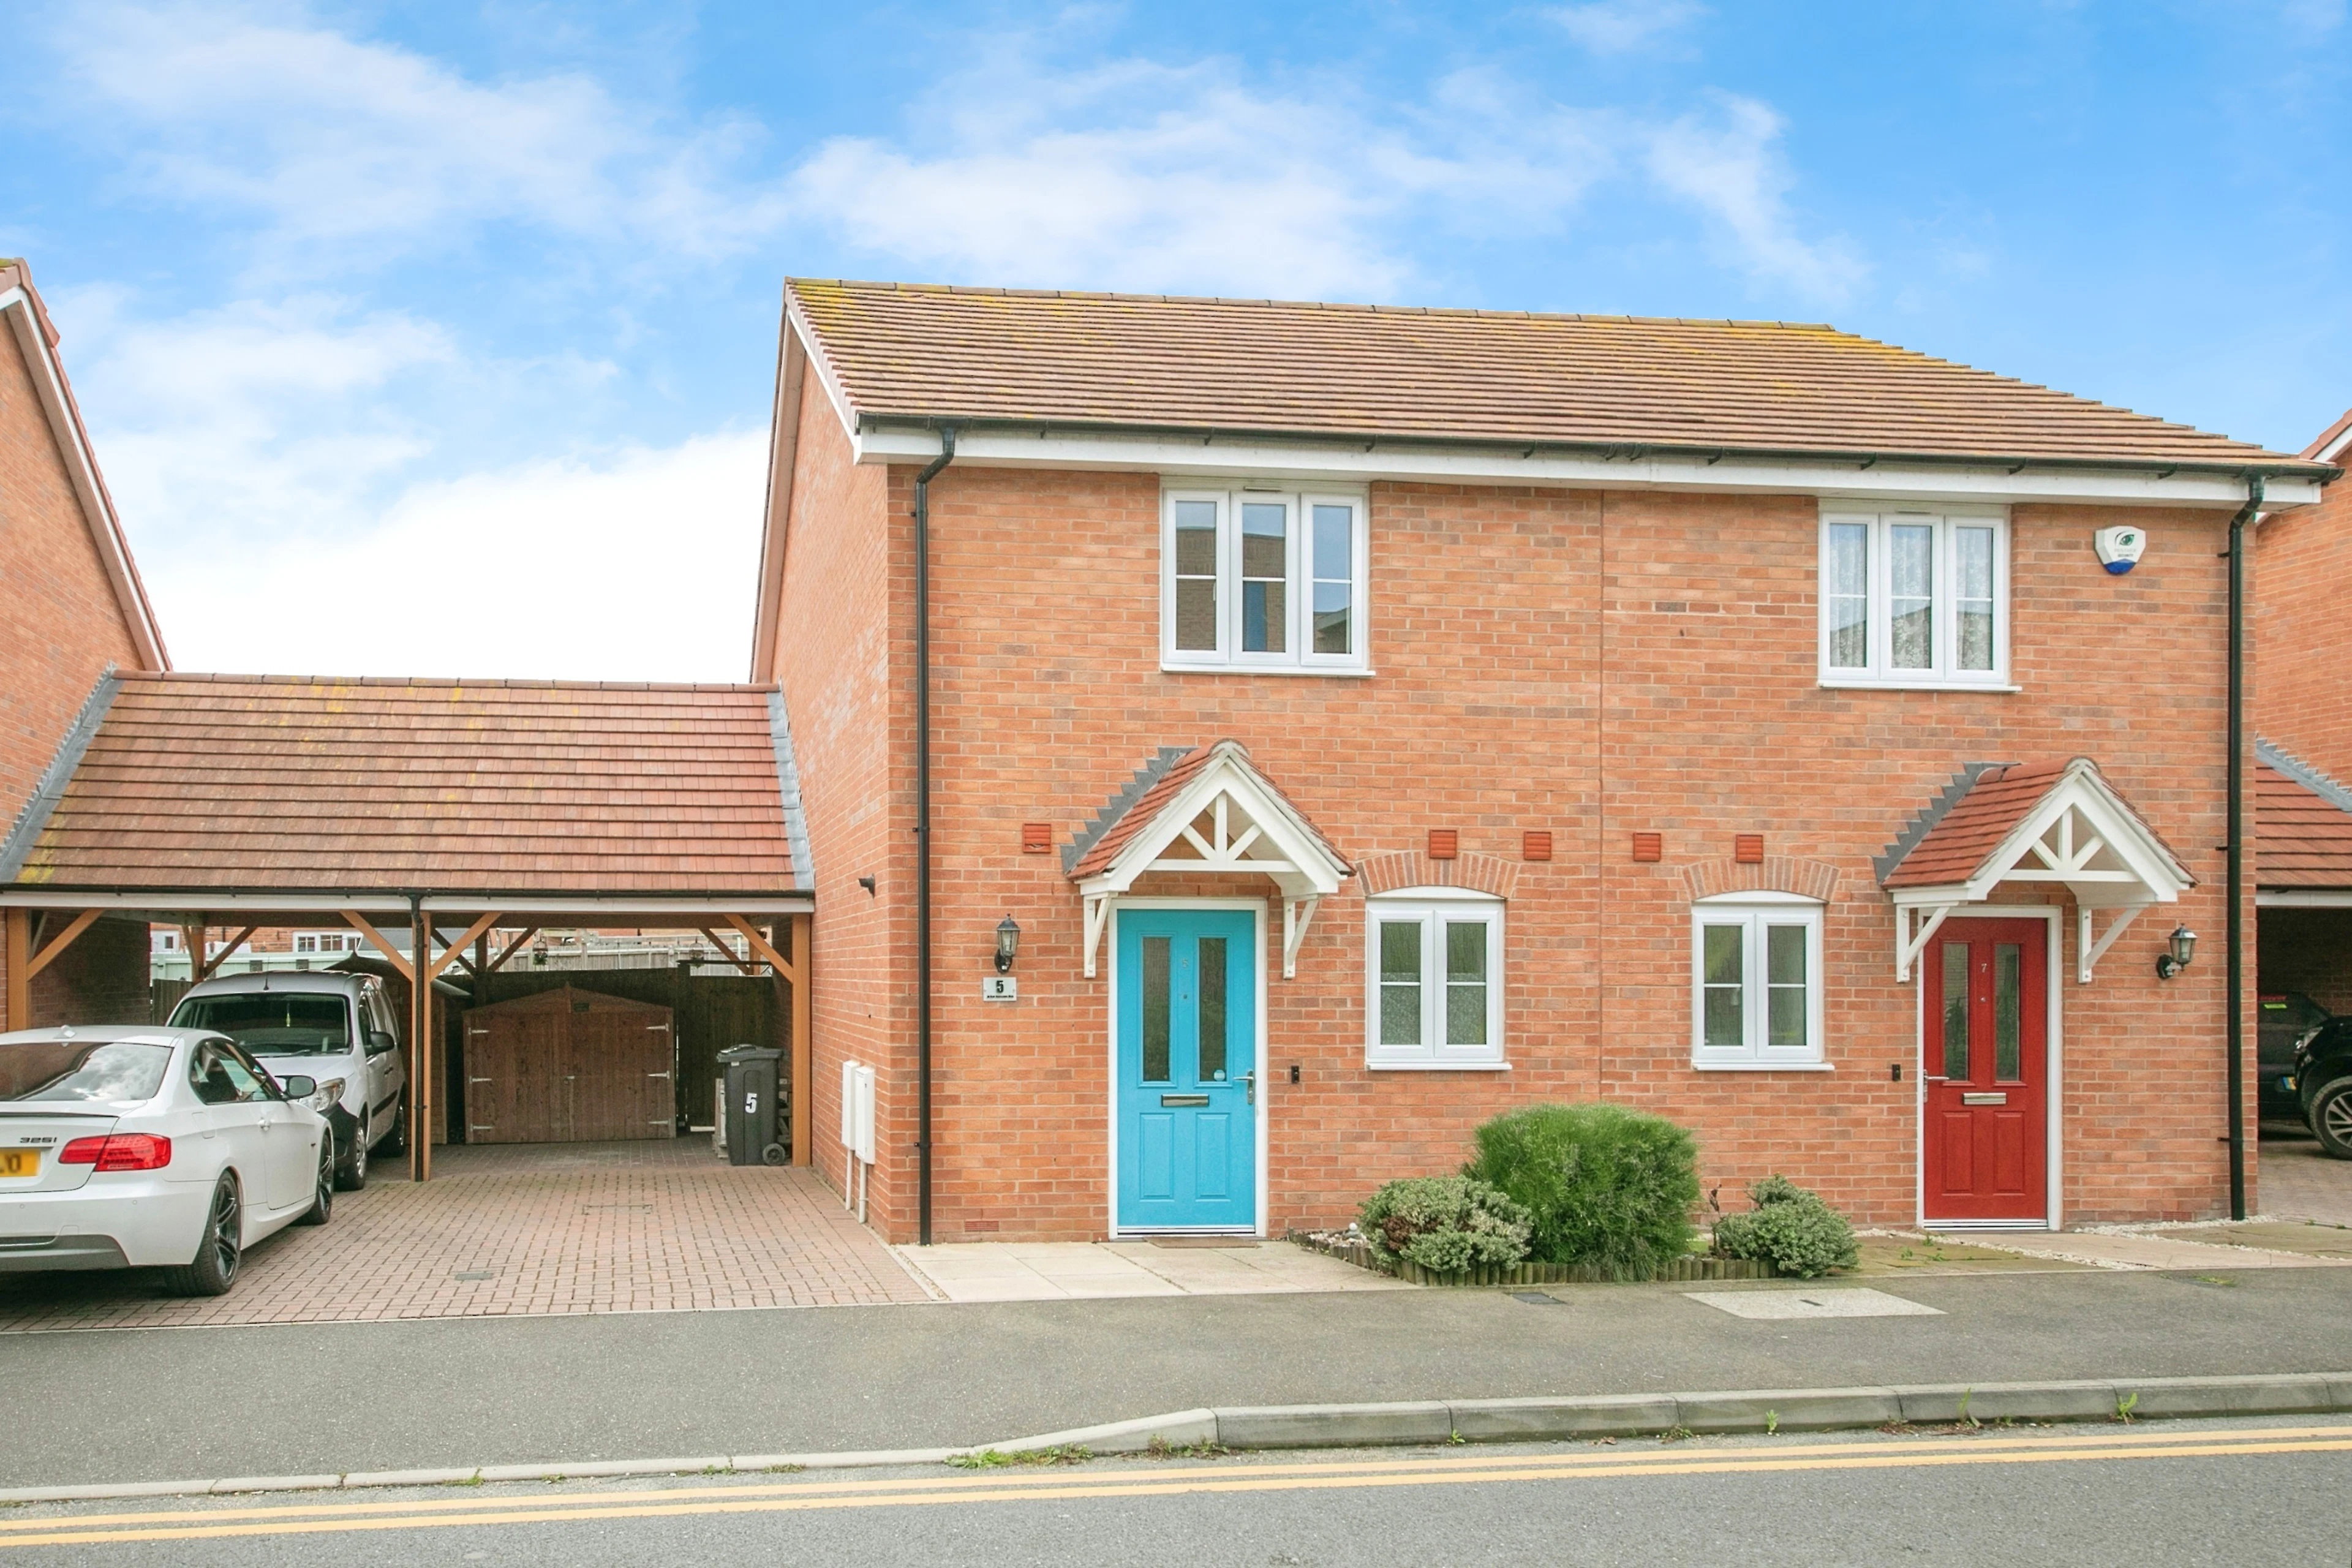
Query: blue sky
column 439, row 339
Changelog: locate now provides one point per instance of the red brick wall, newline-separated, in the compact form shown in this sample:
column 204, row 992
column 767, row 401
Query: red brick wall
column 60, row 623
column 2305, row 560
column 101, row 979
column 844, row 660
column 1585, row 663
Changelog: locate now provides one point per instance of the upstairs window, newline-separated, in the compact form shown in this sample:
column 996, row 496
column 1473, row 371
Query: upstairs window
column 1913, row 598
column 1263, row 579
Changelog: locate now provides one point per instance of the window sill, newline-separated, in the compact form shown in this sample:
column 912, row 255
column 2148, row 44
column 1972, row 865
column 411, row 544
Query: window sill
column 1837, row 684
column 1764, row 1066
column 1167, row 667
column 1437, row 1067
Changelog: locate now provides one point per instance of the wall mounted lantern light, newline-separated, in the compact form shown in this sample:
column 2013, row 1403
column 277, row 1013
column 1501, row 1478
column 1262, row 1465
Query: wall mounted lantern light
column 1008, row 943
column 2176, row 959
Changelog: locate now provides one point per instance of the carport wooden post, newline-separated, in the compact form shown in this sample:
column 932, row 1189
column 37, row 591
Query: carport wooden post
column 420, row 1050
column 803, row 1069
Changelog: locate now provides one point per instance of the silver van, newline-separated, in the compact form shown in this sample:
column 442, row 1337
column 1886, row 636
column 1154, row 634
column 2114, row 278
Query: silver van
column 336, row 1028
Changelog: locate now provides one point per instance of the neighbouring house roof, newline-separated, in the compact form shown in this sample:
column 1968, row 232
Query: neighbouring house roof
column 2303, row 824
column 1991, row 821
column 976, row 355
column 37, row 336
column 282, row 785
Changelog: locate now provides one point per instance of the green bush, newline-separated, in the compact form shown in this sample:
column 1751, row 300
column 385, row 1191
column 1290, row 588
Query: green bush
column 1605, row 1187
column 1793, row 1227
column 1448, row 1224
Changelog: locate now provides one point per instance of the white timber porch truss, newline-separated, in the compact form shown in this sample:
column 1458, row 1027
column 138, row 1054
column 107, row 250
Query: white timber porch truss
column 1227, row 820
column 2080, row 835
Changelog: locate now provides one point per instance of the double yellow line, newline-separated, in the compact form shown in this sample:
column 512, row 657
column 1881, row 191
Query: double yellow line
column 326, row 1518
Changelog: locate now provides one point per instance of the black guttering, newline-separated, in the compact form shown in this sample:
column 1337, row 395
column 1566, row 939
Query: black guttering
column 1633, row 451
column 923, row 831
column 2236, row 1033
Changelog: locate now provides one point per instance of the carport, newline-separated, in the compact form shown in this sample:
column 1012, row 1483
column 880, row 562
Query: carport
column 453, row 809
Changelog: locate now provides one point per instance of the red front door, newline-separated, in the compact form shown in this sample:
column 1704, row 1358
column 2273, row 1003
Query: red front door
column 1985, row 1122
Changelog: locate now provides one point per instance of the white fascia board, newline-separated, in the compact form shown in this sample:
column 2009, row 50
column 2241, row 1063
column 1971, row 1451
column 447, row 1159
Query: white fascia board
column 651, row 906
column 797, row 323
column 1364, row 462
column 2304, row 899
column 205, row 903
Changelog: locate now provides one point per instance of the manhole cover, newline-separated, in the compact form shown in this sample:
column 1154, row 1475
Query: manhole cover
column 475, row 1274
column 1784, row 1304
column 1537, row 1299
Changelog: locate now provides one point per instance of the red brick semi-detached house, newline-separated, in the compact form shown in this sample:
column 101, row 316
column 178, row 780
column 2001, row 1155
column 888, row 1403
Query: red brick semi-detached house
column 71, row 609
column 1371, row 720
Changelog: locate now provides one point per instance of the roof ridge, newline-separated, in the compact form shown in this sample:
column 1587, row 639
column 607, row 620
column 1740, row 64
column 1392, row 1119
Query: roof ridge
column 985, row 290
column 2272, row 754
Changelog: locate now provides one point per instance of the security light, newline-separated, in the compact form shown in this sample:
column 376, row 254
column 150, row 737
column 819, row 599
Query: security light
column 1008, row 943
column 2183, row 948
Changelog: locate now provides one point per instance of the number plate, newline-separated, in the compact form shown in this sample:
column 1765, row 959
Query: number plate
column 20, row 1163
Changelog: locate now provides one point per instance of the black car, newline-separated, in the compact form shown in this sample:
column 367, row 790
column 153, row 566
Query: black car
column 2323, row 1078
column 2283, row 1020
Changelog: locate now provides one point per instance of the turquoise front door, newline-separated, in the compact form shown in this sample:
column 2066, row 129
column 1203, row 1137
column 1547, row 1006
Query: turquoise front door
column 1187, row 1069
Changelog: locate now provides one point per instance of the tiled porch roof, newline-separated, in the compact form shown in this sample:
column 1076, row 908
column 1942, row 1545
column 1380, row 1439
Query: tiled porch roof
column 189, row 782
column 1130, row 813
column 1952, row 840
column 2303, row 824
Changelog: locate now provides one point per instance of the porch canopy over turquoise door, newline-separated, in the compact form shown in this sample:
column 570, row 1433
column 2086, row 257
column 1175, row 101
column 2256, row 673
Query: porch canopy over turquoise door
column 1187, row 1111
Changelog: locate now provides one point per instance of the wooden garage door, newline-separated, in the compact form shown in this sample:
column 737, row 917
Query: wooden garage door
column 568, row 1066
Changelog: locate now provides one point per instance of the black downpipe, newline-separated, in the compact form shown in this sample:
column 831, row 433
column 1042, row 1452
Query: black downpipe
column 2237, row 927
column 923, row 833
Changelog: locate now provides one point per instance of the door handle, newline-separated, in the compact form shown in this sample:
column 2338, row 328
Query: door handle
column 1248, row 1081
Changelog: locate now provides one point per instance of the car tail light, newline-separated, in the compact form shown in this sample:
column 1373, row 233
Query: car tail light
column 119, row 1152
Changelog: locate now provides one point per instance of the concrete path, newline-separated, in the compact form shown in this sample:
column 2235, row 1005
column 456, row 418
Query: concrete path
column 2187, row 1248
column 1065, row 1271
column 2297, row 1181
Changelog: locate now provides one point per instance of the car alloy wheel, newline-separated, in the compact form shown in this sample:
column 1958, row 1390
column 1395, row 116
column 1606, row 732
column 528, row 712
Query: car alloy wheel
column 322, row 1192
column 220, row 1248
column 354, row 1173
column 2331, row 1119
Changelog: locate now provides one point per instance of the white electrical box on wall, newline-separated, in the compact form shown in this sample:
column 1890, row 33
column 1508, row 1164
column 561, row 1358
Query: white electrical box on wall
column 864, row 1097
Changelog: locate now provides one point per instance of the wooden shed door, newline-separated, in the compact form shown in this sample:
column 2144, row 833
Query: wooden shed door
column 569, row 1066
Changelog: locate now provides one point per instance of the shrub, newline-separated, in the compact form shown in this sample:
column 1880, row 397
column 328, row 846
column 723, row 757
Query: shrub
column 1605, row 1187
column 1448, row 1224
column 1794, row 1228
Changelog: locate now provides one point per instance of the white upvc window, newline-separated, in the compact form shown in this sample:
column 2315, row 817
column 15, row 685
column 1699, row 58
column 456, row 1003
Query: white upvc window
column 1756, row 982
column 1913, row 598
column 1263, row 579
column 1434, row 979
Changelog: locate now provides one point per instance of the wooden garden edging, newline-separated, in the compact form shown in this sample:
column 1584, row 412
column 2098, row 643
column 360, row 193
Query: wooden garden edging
column 1694, row 1268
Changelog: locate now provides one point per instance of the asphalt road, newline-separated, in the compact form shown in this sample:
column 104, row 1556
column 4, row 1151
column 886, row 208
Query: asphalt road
column 168, row 1404
column 2248, row 1492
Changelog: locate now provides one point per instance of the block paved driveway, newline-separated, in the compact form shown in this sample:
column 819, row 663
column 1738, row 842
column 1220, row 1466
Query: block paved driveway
column 520, row 1229
column 2296, row 1180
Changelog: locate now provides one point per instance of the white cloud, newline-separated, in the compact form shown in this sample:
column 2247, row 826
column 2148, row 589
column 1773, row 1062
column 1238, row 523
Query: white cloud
column 1730, row 168
column 350, row 148
column 1140, row 175
column 640, row 567
column 1626, row 26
